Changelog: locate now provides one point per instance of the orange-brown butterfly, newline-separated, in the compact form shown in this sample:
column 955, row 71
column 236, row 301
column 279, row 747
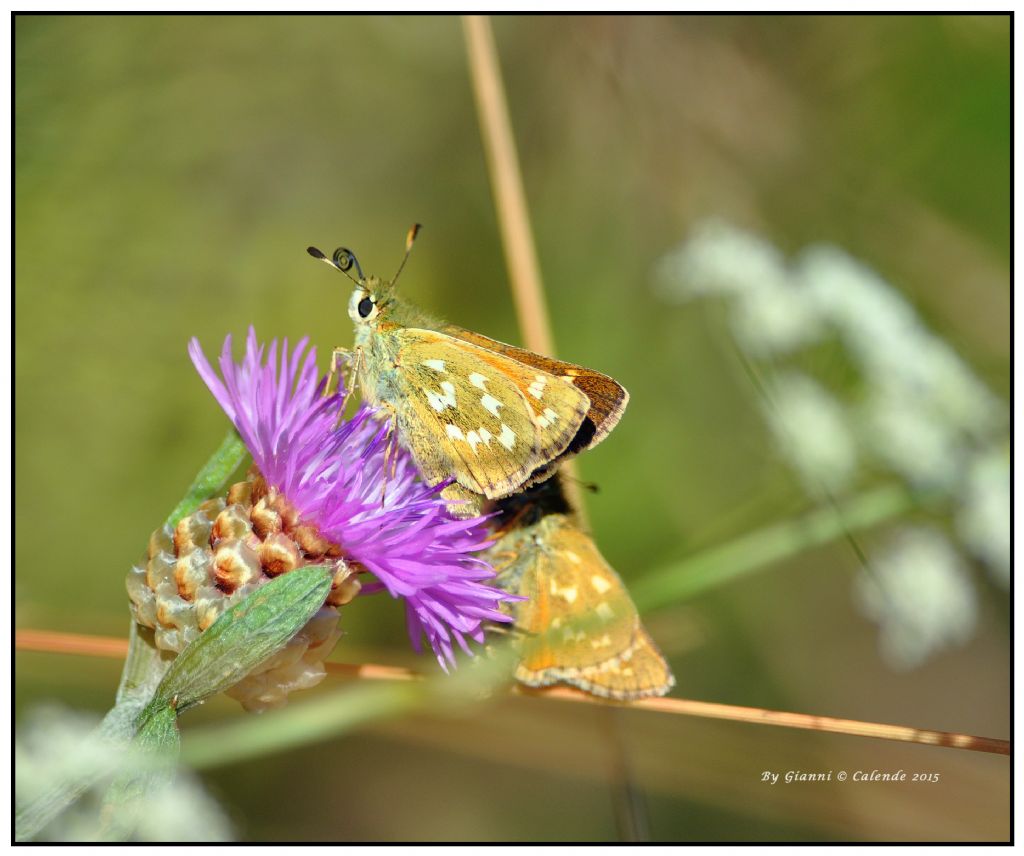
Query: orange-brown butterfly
column 493, row 416
column 579, row 625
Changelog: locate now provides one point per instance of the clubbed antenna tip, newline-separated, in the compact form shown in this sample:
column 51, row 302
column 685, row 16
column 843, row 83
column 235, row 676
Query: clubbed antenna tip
column 409, row 238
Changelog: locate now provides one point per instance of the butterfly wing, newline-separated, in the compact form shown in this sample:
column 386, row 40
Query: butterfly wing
column 471, row 413
column 608, row 398
column 582, row 627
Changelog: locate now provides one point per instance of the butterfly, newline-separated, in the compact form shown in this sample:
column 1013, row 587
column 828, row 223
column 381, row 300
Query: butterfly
column 578, row 624
column 494, row 417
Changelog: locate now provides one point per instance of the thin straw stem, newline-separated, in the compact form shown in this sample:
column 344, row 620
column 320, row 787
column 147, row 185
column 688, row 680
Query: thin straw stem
column 507, row 181
column 803, row 721
column 510, row 203
column 102, row 646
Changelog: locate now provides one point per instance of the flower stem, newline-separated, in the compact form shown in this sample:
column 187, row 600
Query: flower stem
column 142, row 672
column 763, row 547
column 144, row 667
column 300, row 724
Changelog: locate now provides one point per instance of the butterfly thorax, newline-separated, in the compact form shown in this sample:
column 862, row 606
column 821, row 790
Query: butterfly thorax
column 379, row 319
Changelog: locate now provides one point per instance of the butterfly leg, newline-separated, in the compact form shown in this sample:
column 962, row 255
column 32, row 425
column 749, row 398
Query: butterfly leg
column 352, row 363
column 390, row 450
column 507, row 557
column 338, row 357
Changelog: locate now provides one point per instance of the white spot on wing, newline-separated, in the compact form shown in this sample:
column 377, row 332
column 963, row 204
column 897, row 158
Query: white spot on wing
column 600, row 583
column 604, row 610
column 436, row 365
column 507, row 438
column 536, row 388
column 478, row 380
column 454, row 431
column 439, row 401
column 550, row 414
column 473, row 439
column 490, row 403
column 567, row 593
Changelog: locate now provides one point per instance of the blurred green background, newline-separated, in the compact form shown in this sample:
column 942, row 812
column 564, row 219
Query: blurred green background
column 169, row 173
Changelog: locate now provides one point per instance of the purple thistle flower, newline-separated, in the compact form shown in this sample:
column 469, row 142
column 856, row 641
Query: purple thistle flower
column 333, row 475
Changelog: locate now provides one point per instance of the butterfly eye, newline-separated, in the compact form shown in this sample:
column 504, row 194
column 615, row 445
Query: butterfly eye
column 365, row 307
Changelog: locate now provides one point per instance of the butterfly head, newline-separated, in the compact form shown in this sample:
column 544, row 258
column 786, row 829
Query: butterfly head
column 369, row 301
column 372, row 297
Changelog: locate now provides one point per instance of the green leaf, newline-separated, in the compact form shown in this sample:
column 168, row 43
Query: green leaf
column 212, row 477
column 159, row 732
column 242, row 638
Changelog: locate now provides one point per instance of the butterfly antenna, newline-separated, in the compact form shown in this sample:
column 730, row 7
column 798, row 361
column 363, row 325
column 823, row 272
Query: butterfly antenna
column 410, row 239
column 343, row 260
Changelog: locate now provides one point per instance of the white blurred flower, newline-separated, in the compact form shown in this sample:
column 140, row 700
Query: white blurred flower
column 55, row 747
column 769, row 314
column 959, row 397
column 909, row 441
column 180, row 810
column 869, row 314
column 919, row 594
column 921, row 402
column 983, row 519
column 920, row 413
column 890, row 344
column 774, row 320
column 810, row 429
column 720, row 259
